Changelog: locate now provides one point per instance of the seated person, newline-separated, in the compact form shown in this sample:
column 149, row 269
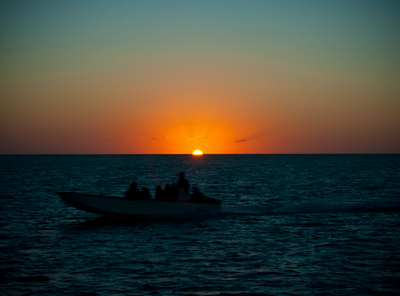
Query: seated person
column 167, row 191
column 196, row 195
column 132, row 192
column 174, row 192
column 145, row 194
column 160, row 193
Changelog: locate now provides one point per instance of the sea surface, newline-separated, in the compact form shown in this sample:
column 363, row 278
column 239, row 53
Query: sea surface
column 289, row 225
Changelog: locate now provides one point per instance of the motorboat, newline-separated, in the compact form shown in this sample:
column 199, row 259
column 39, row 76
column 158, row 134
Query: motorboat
column 108, row 205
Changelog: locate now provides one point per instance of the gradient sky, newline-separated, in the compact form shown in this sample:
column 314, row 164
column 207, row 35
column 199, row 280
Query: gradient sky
column 146, row 77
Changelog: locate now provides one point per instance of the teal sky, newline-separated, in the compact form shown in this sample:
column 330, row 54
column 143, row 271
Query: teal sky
column 350, row 46
column 317, row 34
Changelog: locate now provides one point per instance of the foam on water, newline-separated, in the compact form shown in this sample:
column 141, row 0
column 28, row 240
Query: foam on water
column 244, row 210
column 317, row 207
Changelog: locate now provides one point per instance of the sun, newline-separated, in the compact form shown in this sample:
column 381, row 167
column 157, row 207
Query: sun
column 197, row 152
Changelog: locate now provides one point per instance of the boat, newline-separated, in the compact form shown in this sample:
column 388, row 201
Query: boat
column 109, row 205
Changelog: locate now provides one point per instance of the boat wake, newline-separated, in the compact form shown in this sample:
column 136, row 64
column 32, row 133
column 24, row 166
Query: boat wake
column 244, row 210
column 321, row 207
column 312, row 207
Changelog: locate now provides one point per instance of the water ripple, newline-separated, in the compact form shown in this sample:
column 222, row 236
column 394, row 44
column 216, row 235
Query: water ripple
column 289, row 225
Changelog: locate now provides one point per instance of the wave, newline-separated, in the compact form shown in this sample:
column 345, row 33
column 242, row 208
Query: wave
column 318, row 207
column 244, row 210
column 313, row 207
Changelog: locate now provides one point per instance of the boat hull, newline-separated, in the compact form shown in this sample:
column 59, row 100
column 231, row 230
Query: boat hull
column 106, row 205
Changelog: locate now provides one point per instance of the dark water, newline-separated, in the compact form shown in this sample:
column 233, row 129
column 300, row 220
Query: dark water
column 289, row 225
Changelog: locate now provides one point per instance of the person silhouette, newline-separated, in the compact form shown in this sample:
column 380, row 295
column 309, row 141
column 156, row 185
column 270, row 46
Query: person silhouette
column 160, row 193
column 183, row 183
column 132, row 192
column 145, row 193
column 174, row 191
column 167, row 190
column 196, row 195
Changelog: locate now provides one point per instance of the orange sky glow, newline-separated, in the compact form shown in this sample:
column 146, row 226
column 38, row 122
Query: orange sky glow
column 170, row 84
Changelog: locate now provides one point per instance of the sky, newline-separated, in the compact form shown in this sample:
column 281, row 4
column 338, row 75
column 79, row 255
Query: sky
column 224, row 77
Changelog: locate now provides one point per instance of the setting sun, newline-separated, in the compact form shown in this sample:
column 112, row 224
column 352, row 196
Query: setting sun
column 197, row 152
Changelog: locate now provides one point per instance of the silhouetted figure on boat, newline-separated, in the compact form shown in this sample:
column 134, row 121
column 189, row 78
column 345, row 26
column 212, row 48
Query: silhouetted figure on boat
column 167, row 190
column 174, row 191
column 145, row 193
column 169, row 193
column 183, row 183
column 160, row 193
column 197, row 195
column 132, row 192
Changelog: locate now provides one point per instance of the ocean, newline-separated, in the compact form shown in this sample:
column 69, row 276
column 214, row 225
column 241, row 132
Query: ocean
column 289, row 225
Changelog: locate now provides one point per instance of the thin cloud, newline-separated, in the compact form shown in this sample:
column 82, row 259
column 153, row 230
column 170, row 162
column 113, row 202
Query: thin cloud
column 257, row 135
